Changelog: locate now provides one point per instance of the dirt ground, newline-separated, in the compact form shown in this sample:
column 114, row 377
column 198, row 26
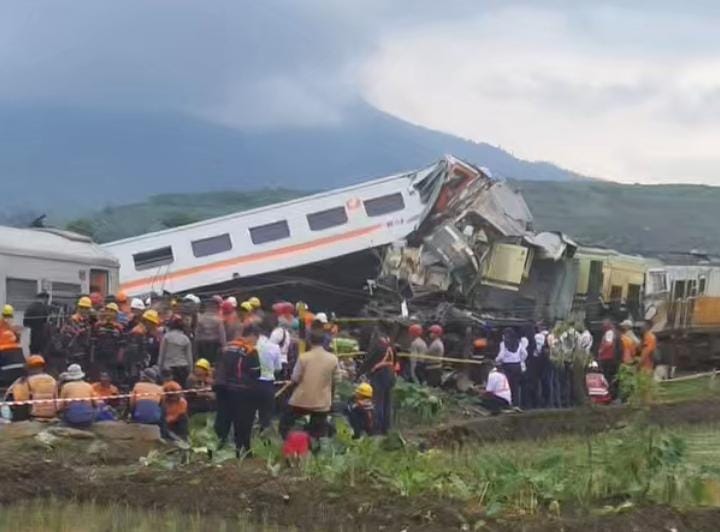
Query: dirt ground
column 109, row 472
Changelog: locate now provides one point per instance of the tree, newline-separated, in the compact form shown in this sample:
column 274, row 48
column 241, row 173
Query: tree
column 83, row 226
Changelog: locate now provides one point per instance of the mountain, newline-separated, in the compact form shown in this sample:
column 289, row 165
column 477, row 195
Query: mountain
column 73, row 160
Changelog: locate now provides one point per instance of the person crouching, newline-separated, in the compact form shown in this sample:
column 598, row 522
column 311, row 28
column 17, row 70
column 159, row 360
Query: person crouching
column 497, row 395
column 146, row 398
column 597, row 385
column 176, row 411
column 360, row 411
column 77, row 399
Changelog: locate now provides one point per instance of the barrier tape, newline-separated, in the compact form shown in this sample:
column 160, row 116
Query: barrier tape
column 424, row 357
column 111, row 397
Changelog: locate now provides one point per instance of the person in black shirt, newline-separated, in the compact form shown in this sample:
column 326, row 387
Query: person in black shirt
column 36, row 319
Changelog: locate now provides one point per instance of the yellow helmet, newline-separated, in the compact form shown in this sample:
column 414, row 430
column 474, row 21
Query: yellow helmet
column 247, row 306
column 112, row 306
column 203, row 363
column 364, row 390
column 152, row 316
column 84, row 302
column 8, row 311
column 255, row 302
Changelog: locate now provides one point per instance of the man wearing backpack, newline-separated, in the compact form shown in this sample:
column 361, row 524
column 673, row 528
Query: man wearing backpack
column 610, row 352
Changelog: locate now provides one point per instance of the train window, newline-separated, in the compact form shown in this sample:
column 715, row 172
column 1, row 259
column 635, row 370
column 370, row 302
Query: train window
column 327, row 219
column 212, row 245
column 384, row 204
column 20, row 292
column 146, row 260
column 269, row 232
column 616, row 294
column 99, row 281
column 702, row 285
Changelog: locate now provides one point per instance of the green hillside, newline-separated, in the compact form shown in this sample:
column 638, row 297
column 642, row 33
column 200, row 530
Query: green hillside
column 630, row 218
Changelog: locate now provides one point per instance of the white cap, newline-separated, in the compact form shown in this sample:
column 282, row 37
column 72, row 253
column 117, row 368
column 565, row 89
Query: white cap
column 137, row 304
column 233, row 301
column 321, row 317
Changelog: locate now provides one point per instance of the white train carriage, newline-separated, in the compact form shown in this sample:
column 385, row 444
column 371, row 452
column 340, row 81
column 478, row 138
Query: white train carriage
column 62, row 263
column 285, row 235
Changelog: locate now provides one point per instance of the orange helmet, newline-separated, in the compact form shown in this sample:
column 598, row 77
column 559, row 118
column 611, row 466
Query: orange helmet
column 35, row 361
column 121, row 297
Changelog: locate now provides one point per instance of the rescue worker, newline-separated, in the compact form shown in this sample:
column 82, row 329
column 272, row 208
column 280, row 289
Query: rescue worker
column 176, row 351
column 236, row 389
column 137, row 308
column 610, row 355
column 123, row 315
column 281, row 334
column 146, row 399
column 210, row 335
column 246, row 314
column 379, row 365
column 109, row 342
column 512, row 356
column 257, row 310
column 648, row 348
column 201, row 377
column 37, row 385
column 105, row 388
column 143, row 346
column 77, row 399
column 498, row 392
column 418, row 348
column 12, row 359
column 630, row 343
column 176, row 411
column 7, row 322
column 433, row 368
column 361, row 412
column 231, row 319
column 76, row 334
column 597, row 385
column 313, row 376
column 36, row 319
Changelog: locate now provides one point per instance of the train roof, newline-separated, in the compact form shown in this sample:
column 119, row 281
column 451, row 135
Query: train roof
column 50, row 243
column 411, row 176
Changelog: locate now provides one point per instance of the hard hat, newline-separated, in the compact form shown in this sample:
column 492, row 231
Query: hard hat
column 364, row 390
column 218, row 299
column 192, row 297
column 8, row 311
column 436, row 330
column 415, row 330
column 151, row 316
column 626, row 324
column 321, row 317
column 84, row 302
column 255, row 302
column 113, row 307
column 233, row 301
column 35, row 361
column 121, row 297
column 227, row 307
column 203, row 363
column 480, row 343
column 593, row 364
column 7, row 337
column 137, row 304
column 283, row 308
column 246, row 305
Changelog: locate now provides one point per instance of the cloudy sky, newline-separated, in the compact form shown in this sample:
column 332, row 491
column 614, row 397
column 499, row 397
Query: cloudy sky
column 624, row 90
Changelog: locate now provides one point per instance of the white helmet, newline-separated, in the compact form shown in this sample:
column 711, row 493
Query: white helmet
column 593, row 364
column 137, row 304
column 193, row 298
column 321, row 317
column 233, row 301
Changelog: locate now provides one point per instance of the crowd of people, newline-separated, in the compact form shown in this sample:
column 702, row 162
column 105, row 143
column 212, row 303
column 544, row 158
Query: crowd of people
column 161, row 360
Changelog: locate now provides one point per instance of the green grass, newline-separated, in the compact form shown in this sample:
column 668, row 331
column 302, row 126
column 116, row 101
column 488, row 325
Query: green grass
column 673, row 391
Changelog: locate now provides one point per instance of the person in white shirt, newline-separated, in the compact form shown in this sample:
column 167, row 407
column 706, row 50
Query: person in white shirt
column 586, row 340
column 270, row 362
column 512, row 357
column 497, row 391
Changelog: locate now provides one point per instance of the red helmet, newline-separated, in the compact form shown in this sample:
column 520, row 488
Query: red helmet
column 283, row 308
column 436, row 330
column 415, row 330
column 227, row 307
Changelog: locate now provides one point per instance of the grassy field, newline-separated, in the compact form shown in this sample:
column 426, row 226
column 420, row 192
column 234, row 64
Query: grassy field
column 676, row 391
